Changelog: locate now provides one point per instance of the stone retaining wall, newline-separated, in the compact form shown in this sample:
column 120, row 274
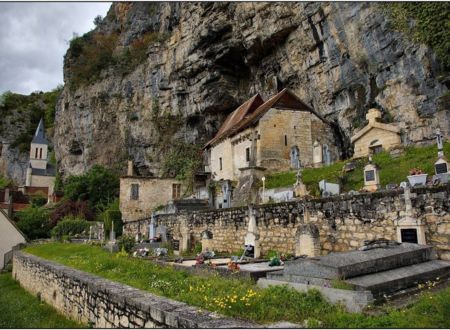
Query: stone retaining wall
column 102, row 303
column 343, row 222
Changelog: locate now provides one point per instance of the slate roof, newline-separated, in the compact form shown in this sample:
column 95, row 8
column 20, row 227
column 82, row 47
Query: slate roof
column 49, row 171
column 39, row 136
column 246, row 115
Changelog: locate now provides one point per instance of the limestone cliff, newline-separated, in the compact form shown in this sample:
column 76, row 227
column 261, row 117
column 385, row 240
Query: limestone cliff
column 204, row 59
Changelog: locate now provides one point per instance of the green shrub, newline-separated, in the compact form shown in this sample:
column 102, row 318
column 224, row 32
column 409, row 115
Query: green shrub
column 126, row 242
column 38, row 201
column 70, row 226
column 98, row 186
column 33, row 222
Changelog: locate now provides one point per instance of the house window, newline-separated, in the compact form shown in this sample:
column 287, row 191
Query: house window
column 134, row 191
column 36, row 153
column 220, row 163
column 176, row 190
column 40, row 153
column 247, row 154
column 285, row 140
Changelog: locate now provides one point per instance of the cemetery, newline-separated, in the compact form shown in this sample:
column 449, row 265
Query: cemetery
column 345, row 250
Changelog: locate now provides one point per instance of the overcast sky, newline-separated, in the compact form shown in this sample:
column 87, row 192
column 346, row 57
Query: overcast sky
column 34, row 38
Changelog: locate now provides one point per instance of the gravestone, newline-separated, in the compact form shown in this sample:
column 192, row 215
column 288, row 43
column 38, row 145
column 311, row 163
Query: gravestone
column 252, row 237
column 326, row 155
column 328, row 188
column 161, row 231
column 207, row 243
column 307, row 241
column 295, row 157
column 317, row 154
column 371, row 177
column 409, row 228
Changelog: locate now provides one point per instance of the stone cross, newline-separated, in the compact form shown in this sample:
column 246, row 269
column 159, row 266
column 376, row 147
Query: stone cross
column 439, row 142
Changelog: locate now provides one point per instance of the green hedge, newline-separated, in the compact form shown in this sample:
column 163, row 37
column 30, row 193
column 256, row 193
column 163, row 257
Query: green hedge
column 70, row 226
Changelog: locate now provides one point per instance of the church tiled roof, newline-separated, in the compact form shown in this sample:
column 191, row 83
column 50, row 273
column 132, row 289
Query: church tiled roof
column 246, row 115
column 39, row 136
column 49, row 171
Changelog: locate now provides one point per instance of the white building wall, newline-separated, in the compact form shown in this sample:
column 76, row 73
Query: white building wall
column 222, row 150
column 41, row 160
column 9, row 237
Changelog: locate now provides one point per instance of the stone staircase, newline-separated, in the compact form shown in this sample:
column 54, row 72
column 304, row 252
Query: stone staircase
column 381, row 270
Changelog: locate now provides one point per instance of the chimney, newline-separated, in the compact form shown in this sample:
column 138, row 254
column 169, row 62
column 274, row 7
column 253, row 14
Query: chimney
column 130, row 168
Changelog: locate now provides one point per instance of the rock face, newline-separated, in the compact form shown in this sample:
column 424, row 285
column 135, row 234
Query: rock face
column 340, row 58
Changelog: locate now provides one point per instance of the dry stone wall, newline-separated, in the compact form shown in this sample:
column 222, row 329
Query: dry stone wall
column 101, row 303
column 344, row 222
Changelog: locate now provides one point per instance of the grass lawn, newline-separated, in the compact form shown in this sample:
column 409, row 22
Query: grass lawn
column 392, row 170
column 19, row 309
column 239, row 298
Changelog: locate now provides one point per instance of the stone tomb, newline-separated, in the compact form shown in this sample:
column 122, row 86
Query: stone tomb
column 371, row 177
column 383, row 270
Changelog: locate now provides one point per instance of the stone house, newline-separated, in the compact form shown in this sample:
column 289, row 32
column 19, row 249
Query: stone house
column 141, row 195
column 375, row 136
column 272, row 135
column 10, row 237
column 40, row 173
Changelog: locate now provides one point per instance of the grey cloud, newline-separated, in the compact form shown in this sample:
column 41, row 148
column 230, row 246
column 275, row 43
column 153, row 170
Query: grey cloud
column 34, row 38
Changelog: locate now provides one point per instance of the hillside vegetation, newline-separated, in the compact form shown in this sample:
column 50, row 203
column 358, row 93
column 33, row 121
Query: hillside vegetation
column 21, row 114
column 392, row 170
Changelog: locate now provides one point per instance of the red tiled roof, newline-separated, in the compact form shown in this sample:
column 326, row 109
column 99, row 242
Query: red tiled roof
column 236, row 117
column 241, row 118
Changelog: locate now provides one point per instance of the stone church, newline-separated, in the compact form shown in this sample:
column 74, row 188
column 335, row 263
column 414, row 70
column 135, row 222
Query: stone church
column 275, row 135
column 40, row 173
column 279, row 134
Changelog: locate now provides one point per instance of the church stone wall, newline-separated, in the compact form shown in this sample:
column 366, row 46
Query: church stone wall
column 344, row 222
column 43, row 181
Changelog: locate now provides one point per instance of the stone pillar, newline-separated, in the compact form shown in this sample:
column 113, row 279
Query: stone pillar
column 307, row 241
column 130, row 171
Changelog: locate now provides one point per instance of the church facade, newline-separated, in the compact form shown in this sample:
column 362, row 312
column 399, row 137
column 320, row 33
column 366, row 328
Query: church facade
column 40, row 173
column 276, row 135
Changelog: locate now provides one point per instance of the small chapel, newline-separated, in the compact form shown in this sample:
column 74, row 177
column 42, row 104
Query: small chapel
column 40, row 173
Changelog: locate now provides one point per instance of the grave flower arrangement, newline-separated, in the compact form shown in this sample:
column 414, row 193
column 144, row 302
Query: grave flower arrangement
column 415, row 171
column 417, row 177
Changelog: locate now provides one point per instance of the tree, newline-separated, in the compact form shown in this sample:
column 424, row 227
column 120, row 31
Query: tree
column 70, row 208
column 98, row 186
column 33, row 222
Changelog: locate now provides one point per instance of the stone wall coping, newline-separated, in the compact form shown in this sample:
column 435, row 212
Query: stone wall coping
column 435, row 190
column 361, row 196
column 166, row 311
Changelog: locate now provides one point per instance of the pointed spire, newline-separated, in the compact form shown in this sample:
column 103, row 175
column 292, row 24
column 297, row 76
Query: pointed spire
column 39, row 136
